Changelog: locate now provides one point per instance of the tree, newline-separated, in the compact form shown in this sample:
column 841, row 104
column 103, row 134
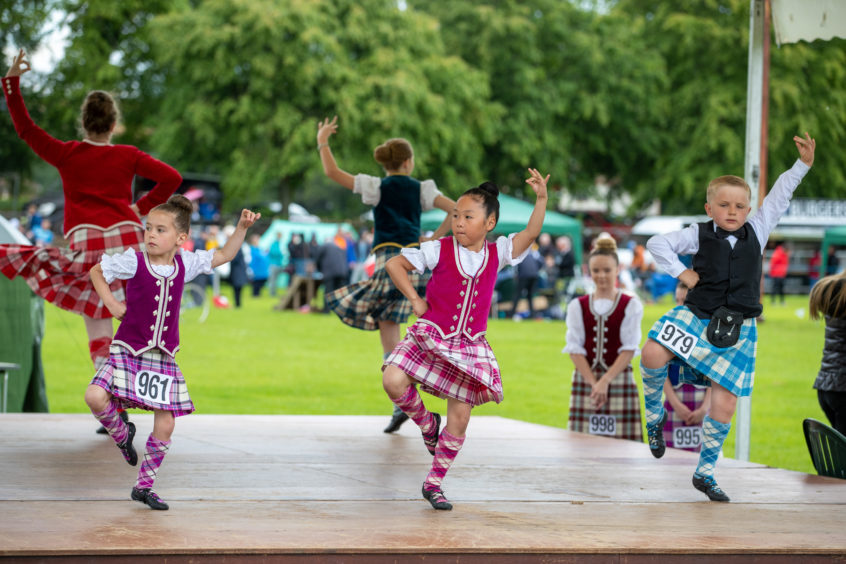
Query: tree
column 705, row 49
column 246, row 83
column 581, row 88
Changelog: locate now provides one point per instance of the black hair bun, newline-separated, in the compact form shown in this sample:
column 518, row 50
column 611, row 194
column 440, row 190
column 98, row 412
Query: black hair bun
column 490, row 188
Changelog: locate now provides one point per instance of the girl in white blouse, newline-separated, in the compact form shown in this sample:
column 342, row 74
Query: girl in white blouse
column 603, row 335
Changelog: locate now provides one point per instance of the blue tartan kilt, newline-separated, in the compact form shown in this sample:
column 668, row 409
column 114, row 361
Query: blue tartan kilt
column 732, row 367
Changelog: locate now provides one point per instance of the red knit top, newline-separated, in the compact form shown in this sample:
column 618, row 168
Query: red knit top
column 96, row 179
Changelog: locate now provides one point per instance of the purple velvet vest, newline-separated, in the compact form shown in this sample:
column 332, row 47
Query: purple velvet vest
column 152, row 309
column 460, row 303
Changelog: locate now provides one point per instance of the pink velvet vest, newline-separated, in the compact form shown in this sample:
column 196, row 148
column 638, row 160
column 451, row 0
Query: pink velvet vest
column 152, row 309
column 460, row 303
column 602, row 333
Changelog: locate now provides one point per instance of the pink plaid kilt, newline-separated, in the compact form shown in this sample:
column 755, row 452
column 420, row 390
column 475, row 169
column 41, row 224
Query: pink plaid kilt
column 457, row 367
column 623, row 403
column 118, row 375
column 60, row 275
column 692, row 397
column 364, row 304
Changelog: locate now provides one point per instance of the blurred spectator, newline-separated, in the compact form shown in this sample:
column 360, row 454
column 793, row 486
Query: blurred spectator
column 832, row 262
column 41, row 233
column 814, row 268
column 298, row 253
column 33, row 219
column 779, row 261
column 363, row 248
column 331, row 262
column 566, row 262
column 259, row 265
column 527, row 274
column 238, row 274
column 277, row 262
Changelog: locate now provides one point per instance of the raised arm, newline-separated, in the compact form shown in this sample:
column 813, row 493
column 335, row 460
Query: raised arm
column 45, row 146
column 166, row 177
column 230, row 249
column 325, row 129
column 448, row 205
column 526, row 237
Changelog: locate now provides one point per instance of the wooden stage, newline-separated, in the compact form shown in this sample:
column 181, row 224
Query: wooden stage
column 337, row 489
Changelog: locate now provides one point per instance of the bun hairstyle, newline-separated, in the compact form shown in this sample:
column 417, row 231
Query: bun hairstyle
column 99, row 112
column 392, row 153
column 604, row 246
column 181, row 208
column 828, row 297
column 488, row 193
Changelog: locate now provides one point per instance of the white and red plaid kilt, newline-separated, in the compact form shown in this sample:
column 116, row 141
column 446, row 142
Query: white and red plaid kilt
column 692, row 397
column 60, row 275
column 364, row 304
column 456, row 367
column 117, row 377
column 623, row 403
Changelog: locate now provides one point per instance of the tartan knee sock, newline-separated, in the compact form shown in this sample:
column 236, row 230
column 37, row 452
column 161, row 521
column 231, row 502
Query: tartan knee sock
column 713, row 436
column 653, row 387
column 445, row 453
column 411, row 403
column 153, row 457
column 115, row 426
column 98, row 349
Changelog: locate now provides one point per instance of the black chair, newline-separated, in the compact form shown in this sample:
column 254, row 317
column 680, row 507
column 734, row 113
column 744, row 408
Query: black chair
column 827, row 447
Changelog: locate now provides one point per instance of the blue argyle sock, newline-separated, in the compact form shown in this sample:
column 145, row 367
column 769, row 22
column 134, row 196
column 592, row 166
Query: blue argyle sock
column 653, row 387
column 713, row 436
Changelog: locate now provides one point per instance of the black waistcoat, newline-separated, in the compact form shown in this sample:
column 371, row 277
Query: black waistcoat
column 727, row 277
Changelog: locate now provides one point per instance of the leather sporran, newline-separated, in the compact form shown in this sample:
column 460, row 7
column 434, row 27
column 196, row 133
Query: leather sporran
column 724, row 328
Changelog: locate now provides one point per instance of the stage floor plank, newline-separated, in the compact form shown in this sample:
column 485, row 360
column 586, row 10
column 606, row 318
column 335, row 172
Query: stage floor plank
column 330, row 485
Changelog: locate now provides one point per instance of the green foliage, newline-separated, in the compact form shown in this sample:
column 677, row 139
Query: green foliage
column 580, row 89
column 247, row 83
column 650, row 94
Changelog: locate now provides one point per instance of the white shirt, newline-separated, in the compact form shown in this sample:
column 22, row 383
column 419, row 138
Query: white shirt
column 629, row 328
column 122, row 266
column 666, row 248
column 429, row 253
column 370, row 189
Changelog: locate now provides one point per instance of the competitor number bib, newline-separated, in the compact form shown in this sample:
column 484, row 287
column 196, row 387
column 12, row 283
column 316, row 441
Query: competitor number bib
column 677, row 339
column 687, row 437
column 153, row 387
column 602, row 425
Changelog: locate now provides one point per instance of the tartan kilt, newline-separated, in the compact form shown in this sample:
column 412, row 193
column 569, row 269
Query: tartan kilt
column 364, row 304
column 60, row 275
column 455, row 367
column 732, row 367
column 623, row 403
column 117, row 376
column 692, row 397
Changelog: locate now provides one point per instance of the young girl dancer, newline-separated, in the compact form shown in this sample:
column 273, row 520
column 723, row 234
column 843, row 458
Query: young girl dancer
column 828, row 298
column 446, row 350
column 603, row 335
column 398, row 200
column 99, row 214
column 141, row 371
column 686, row 403
column 714, row 332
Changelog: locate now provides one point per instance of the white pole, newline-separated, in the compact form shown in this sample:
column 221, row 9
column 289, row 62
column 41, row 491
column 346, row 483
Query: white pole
column 754, row 94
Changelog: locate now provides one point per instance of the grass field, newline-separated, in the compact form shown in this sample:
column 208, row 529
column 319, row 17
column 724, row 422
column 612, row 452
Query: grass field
column 256, row 360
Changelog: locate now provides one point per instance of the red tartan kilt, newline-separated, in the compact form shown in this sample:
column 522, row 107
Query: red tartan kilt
column 623, row 403
column 60, row 275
